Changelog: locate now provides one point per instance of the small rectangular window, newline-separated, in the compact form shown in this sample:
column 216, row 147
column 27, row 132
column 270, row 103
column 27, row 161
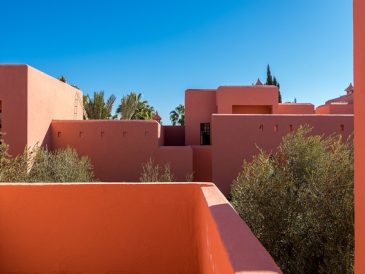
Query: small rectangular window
column 205, row 134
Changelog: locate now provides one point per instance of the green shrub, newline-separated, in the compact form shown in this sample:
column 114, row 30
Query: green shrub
column 41, row 165
column 299, row 202
column 62, row 165
column 152, row 172
column 13, row 169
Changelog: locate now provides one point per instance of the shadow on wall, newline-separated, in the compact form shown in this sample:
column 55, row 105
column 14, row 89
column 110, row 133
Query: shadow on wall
column 246, row 246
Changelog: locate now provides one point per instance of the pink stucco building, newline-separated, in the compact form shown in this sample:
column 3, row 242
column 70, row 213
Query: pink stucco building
column 223, row 127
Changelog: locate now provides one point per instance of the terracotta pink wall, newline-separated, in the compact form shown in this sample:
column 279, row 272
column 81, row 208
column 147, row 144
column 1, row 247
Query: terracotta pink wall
column 202, row 163
column 174, row 135
column 48, row 99
column 118, row 149
column 13, row 95
column 228, row 96
column 295, row 108
column 30, row 100
column 335, row 109
column 124, row 228
column 235, row 137
column 219, row 225
column 199, row 106
column 238, row 109
column 180, row 160
column 98, row 229
column 359, row 62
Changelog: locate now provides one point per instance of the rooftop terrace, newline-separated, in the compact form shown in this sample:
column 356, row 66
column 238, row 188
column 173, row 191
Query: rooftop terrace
column 124, row 228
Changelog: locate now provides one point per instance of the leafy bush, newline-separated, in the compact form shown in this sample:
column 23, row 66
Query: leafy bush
column 13, row 169
column 60, row 166
column 299, row 202
column 152, row 172
column 42, row 165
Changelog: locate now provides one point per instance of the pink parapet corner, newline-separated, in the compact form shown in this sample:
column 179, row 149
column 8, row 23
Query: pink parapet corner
column 125, row 227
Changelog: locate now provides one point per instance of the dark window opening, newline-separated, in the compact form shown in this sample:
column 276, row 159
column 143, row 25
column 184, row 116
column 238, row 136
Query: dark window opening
column 205, row 134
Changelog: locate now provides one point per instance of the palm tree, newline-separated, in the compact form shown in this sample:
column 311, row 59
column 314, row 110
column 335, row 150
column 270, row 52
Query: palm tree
column 133, row 108
column 96, row 107
column 177, row 116
column 144, row 111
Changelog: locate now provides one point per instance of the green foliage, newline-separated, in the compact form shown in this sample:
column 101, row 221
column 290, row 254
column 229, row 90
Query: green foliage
column 13, row 169
column 41, row 165
column 62, row 79
column 271, row 81
column 133, row 108
column 144, row 111
column 97, row 107
column 177, row 116
column 60, row 166
column 152, row 172
column 299, row 203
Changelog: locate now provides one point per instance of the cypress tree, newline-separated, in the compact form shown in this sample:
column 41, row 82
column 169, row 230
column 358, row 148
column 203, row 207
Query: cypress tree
column 62, row 79
column 269, row 80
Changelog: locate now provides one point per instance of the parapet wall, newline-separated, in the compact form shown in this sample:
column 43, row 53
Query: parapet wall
column 253, row 96
column 335, row 109
column 125, row 228
column 295, row 108
column 238, row 137
column 118, row 149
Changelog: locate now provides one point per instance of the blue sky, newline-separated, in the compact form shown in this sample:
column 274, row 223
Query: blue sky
column 160, row 48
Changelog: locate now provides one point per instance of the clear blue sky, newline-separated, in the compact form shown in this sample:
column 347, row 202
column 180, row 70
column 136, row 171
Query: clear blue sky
column 161, row 48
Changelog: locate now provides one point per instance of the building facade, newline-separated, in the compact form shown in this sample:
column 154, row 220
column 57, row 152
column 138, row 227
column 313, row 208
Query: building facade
column 223, row 127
